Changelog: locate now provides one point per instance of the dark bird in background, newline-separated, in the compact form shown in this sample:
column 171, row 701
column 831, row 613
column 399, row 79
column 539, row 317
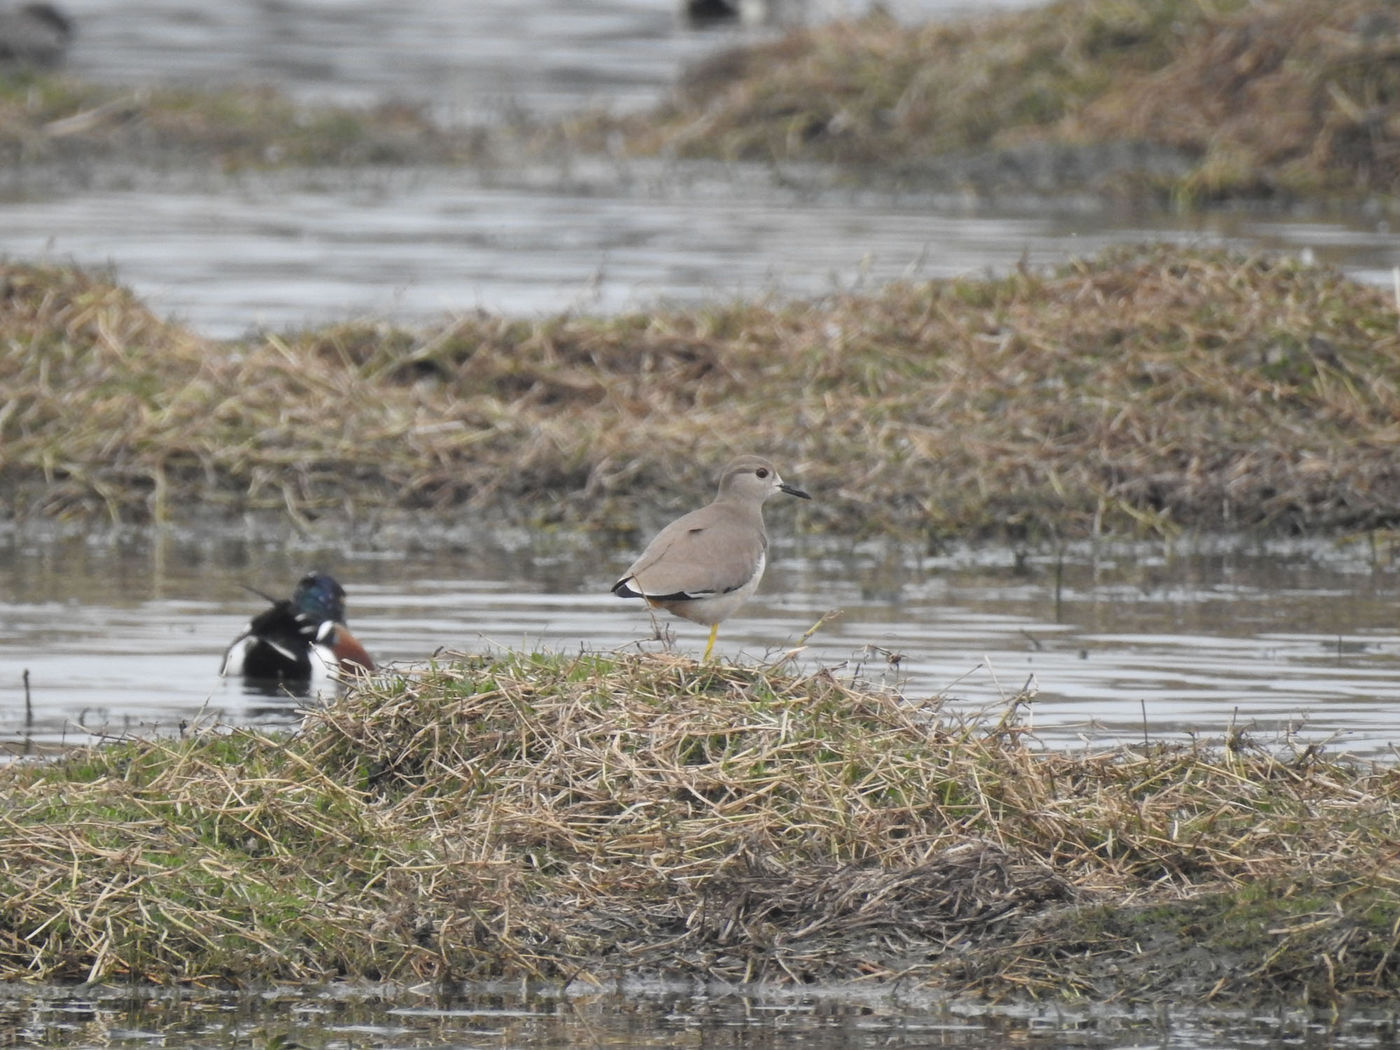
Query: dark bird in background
column 300, row 640
column 34, row 35
column 710, row 12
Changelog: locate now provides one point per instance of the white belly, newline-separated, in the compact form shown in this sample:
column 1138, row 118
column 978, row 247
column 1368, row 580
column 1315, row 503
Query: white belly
column 712, row 610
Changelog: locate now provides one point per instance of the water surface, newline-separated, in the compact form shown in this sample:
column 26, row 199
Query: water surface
column 848, row 1019
column 1295, row 642
column 419, row 246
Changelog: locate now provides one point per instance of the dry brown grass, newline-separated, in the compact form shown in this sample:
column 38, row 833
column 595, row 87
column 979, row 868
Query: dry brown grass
column 1146, row 390
column 1296, row 97
column 581, row 818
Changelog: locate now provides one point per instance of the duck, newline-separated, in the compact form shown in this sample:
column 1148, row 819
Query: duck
column 299, row 639
column 36, row 35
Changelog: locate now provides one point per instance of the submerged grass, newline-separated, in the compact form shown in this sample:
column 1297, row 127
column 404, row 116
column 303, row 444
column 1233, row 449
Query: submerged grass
column 1228, row 98
column 49, row 118
column 577, row 818
column 1145, row 390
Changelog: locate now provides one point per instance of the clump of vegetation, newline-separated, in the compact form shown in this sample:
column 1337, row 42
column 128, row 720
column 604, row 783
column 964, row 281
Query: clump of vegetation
column 1142, row 391
column 1223, row 99
column 53, row 118
column 578, row 817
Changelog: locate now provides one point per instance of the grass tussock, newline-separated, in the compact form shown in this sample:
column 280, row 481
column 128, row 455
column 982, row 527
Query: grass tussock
column 580, row 818
column 1141, row 391
column 1229, row 98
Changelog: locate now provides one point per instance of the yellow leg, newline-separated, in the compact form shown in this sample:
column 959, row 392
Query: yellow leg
column 714, row 630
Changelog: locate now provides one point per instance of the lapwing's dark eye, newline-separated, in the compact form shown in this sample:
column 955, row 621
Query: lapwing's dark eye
column 762, row 472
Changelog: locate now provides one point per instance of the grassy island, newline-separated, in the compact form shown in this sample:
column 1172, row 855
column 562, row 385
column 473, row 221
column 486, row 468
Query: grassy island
column 1142, row 391
column 581, row 818
column 1169, row 99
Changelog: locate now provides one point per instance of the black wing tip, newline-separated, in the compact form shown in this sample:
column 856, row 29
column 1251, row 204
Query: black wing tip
column 624, row 589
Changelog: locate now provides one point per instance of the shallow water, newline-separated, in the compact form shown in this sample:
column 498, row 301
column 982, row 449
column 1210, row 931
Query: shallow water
column 1296, row 643
column 230, row 255
column 850, row 1019
column 285, row 251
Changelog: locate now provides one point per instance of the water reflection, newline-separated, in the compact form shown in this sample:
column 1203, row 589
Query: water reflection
column 818, row 1019
column 1122, row 642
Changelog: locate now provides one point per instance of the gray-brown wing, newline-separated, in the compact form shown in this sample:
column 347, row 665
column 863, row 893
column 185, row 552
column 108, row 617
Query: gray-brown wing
column 708, row 551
